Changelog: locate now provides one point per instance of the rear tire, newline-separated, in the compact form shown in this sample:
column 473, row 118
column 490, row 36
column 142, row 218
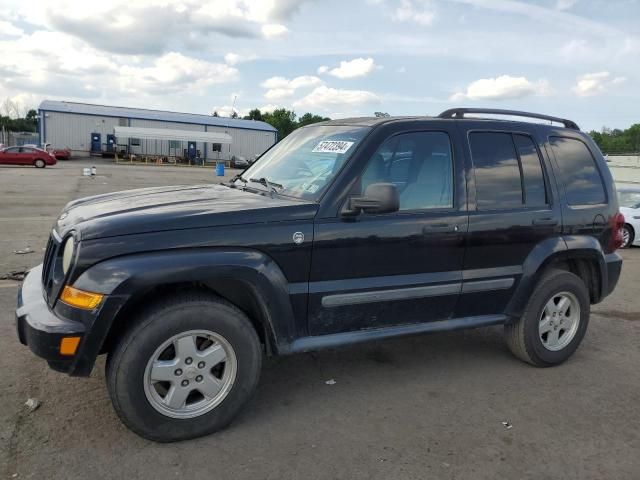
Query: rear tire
column 545, row 336
column 39, row 163
column 216, row 390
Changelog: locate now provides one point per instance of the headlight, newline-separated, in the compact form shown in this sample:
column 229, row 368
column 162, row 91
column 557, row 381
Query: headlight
column 67, row 254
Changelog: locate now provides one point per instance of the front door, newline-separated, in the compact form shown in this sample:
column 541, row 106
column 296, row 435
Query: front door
column 96, row 144
column 376, row 271
column 111, row 141
column 11, row 156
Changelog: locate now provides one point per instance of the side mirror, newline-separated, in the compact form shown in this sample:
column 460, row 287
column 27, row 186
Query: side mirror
column 377, row 198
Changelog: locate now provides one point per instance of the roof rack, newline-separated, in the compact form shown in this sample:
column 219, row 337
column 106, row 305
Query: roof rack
column 459, row 113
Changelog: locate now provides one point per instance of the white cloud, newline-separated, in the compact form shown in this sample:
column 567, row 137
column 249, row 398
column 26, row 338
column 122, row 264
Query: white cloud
column 503, row 87
column 279, row 93
column 280, row 88
column 270, row 107
column 235, row 58
column 420, row 12
column 152, row 26
column 591, row 84
column 57, row 65
column 9, row 30
column 565, row 4
column 274, row 30
column 358, row 67
column 175, row 72
column 325, row 98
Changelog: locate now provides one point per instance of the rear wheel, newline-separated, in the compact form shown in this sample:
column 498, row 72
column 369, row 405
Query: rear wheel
column 185, row 369
column 554, row 322
column 39, row 163
column 628, row 235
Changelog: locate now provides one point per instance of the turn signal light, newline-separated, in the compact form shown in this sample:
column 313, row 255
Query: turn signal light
column 69, row 345
column 80, row 299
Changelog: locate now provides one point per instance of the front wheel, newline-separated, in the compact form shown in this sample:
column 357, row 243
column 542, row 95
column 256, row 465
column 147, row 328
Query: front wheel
column 185, row 369
column 39, row 163
column 554, row 322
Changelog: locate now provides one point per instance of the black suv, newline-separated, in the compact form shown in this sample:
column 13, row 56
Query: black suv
column 345, row 231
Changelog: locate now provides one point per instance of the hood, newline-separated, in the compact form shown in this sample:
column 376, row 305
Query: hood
column 175, row 208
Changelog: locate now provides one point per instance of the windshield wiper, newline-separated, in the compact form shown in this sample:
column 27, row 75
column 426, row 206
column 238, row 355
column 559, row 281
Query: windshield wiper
column 271, row 186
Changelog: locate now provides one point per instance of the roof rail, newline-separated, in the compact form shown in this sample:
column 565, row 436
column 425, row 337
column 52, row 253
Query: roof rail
column 459, row 113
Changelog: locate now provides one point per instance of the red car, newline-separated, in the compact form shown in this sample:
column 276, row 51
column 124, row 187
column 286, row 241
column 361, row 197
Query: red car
column 59, row 153
column 26, row 156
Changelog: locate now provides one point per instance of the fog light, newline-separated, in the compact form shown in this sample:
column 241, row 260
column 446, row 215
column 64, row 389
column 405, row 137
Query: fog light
column 69, row 345
column 80, row 299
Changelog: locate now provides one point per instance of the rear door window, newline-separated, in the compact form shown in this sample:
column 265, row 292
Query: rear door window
column 578, row 170
column 535, row 192
column 498, row 178
column 508, row 171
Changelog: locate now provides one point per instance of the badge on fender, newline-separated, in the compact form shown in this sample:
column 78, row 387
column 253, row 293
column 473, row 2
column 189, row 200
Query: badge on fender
column 298, row 238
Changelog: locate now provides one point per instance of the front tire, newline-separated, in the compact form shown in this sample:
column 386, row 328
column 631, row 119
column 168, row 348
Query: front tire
column 554, row 322
column 39, row 163
column 185, row 368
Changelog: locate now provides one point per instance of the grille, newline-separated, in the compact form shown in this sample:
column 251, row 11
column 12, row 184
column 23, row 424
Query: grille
column 48, row 265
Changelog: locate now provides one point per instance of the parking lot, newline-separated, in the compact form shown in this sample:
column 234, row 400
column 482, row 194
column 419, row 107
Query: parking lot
column 421, row 407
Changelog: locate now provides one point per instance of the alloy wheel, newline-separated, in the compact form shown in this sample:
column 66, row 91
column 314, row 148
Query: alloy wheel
column 190, row 374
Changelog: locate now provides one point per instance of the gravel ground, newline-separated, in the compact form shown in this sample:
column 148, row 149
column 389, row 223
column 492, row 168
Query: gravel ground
column 422, row 407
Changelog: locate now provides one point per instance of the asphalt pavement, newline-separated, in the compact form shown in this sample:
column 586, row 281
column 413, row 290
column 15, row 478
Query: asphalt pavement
column 424, row 407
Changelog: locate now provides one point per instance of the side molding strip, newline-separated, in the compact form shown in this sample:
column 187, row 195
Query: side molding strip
column 343, row 299
column 306, row 344
column 485, row 285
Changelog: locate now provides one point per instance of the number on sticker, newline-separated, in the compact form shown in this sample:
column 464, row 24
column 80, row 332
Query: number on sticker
column 332, row 146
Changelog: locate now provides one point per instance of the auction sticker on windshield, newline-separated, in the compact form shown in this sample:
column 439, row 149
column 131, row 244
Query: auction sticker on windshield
column 332, row 146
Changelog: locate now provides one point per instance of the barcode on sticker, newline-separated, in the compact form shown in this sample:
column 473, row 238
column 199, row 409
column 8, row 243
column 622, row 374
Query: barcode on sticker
column 332, row 146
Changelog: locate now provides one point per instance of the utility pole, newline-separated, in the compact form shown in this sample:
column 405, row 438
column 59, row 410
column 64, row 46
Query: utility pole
column 233, row 105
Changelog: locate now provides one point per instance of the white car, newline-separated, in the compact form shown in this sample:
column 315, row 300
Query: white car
column 629, row 199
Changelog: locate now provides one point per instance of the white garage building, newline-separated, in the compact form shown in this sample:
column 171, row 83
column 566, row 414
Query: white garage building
column 86, row 128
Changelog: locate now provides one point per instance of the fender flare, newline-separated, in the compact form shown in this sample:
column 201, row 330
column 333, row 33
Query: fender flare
column 121, row 278
column 567, row 247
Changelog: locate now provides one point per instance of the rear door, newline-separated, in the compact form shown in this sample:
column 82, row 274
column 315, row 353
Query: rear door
column 511, row 211
column 26, row 156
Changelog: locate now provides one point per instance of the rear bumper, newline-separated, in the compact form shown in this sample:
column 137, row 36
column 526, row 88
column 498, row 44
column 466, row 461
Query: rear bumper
column 40, row 328
column 613, row 263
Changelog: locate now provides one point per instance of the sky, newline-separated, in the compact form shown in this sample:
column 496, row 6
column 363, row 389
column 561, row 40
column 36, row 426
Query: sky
column 578, row 59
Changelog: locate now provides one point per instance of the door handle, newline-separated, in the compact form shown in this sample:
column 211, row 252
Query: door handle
column 440, row 227
column 552, row 222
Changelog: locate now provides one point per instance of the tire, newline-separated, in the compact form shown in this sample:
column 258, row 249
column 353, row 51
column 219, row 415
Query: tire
column 137, row 401
column 628, row 234
column 524, row 338
column 39, row 163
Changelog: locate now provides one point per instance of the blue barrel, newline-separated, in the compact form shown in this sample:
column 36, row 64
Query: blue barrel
column 220, row 169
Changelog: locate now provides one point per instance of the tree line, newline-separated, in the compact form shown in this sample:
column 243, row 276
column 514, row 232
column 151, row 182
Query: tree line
column 283, row 120
column 618, row 141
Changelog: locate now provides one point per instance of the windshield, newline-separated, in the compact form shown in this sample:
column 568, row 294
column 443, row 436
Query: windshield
column 303, row 164
column 629, row 199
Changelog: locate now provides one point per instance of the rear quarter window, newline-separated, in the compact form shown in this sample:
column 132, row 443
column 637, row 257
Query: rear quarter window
column 578, row 171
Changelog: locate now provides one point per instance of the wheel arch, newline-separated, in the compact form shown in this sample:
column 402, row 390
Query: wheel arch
column 580, row 255
column 249, row 279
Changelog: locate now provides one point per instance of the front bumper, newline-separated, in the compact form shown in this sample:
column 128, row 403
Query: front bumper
column 42, row 329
